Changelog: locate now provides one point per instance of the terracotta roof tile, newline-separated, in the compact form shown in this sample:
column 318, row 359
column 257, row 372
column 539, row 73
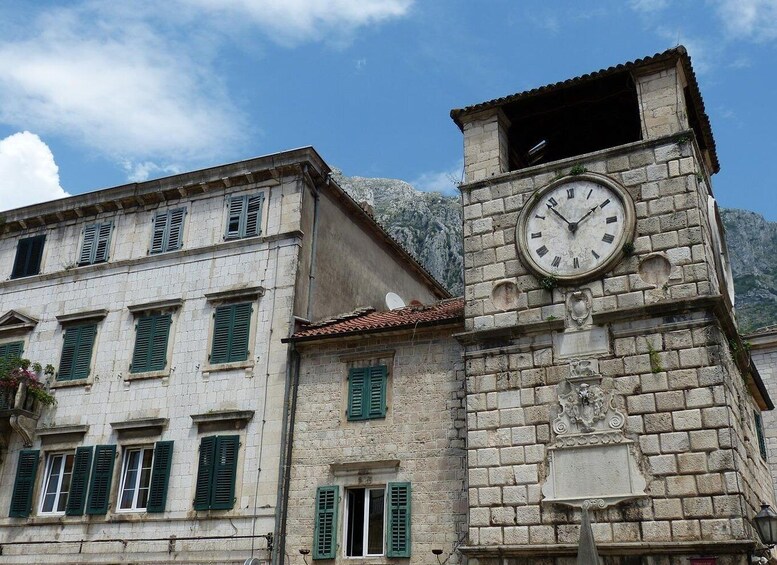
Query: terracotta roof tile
column 366, row 320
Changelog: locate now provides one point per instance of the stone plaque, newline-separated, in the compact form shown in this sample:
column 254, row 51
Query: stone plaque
column 602, row 472
column 581, row 343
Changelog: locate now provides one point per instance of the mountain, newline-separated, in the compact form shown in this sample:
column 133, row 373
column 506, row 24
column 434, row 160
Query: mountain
column 428, row 224
column 752, row 242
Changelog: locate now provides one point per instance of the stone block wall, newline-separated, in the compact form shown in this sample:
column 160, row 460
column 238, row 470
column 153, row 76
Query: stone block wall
column 764, row 354
column 664, row 179
column 662, row 102
column 424, row 431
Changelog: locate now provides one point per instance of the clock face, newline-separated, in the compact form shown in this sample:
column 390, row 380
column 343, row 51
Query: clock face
column 575, row 228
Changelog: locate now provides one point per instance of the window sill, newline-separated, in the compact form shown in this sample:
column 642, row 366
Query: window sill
column 71, row 383
column 147, row 375
column 249, row 364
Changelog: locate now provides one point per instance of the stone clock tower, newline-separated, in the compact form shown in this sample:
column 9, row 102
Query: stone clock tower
column 604, row 370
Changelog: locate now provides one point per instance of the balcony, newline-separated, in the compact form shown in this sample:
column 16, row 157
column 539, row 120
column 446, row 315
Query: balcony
column 19, row 412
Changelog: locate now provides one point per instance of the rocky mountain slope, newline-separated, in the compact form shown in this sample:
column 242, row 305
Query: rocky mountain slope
column 428, row 224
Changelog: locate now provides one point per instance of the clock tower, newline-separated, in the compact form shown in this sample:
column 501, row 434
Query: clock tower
column 606, row 380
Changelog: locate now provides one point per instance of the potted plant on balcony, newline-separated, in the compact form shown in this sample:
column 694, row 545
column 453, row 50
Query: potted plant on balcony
column 20, row 385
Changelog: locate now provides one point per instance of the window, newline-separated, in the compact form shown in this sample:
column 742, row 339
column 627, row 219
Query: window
column 216, row 473
column 144, row 477
column 77, row 352
column 56, row 485
column 367, row 392
column 151, row 335
column 11, row 349
column 29, row 252
column 245, row 216
column 377, row 521
column 97, row 240
column 364, row 521
column 231, row 329
column 759, row 430
column 167, row 230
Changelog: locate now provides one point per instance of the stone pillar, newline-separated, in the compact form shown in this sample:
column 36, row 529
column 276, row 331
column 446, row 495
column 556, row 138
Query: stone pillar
column 485, row 145
column 661, row 101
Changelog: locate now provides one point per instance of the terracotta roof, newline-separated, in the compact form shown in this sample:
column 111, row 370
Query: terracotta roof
column 367, row 320
column 678, row 52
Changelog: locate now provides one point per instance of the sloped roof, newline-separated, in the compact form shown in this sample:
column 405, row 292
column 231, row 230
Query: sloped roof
column 368, row 320
column 677, row 53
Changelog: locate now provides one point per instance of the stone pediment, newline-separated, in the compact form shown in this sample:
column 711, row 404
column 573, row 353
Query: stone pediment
column 13, row 321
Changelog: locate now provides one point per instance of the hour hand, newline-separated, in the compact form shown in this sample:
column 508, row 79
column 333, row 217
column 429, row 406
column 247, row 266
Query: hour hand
column 552, row 209
column 591, row 211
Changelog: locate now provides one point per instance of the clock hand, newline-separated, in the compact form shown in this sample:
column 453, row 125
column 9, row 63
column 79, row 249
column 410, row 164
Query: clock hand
column 591, row 211
column 552, row 209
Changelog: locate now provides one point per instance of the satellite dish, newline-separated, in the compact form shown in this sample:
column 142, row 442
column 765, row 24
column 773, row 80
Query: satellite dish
column 393, row 301
column 252, row 561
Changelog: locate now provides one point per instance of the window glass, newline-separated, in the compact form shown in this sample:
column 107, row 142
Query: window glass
column 136, row 478
column 59, row 471
column 364, row 524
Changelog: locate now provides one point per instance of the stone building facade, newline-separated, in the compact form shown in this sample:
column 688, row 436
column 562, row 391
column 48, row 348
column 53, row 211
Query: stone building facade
column 624, row 390
column 763, row 344
column 410, row 440
column 162, row 306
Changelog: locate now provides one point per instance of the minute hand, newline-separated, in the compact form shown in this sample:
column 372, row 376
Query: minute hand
column 591, row 211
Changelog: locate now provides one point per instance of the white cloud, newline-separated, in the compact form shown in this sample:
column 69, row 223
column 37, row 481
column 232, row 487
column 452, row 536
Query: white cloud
column 754, row 20
column 294, row 21
column 648, row 6
column 440, row 181
column 28, row 173
column 139, row 172
column 122, row 90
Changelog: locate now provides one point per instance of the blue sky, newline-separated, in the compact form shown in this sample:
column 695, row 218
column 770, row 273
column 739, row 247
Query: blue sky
column 97, row 94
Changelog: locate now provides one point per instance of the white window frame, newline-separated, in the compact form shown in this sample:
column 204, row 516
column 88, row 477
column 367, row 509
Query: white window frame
column 136, row 487
column 47, row 480
column 365, row 521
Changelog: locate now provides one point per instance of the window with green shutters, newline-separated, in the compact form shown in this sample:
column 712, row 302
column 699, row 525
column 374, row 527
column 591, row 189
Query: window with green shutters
column 145, row 476
column 151, row 336
column 216, row 473
column 21, row 499
column 398, row 522
column 367, row 392
column 231, row 330
column 245, row 216
column 759, row 430
column 79, row 482
column 11, row 350
column 96, row 243
column 167, row 232
column 325, row 534
column 29, row 252
column 77, row 352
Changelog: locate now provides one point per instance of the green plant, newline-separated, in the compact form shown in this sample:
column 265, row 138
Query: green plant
column 577, row 170
column 551, row 318
column 655, row 359
column 628, row 248
column 548, row 283
column 683, row 139
column 558, row 175
column 699, row 177
column 15, row 371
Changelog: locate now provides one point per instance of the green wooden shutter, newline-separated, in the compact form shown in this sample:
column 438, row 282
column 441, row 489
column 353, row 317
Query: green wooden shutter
column 159, row 233
column 12, row 350
column 236, row 217
column 29, row 252
column 224, row 473
column 160, row 476
column 205, row 473
column 70, row 343
column 151, row 335
column 253, row 216
column 21, row 499
column 222, row 330
column 175, row 229
column 325, row 535
column 83, row 356
column 378, row 375
column 76, row 499
column 357, row 384
column 398, row 524
column 759, row 430
column 140, row 357
column 103, row 242
column 88, row 245
column 102, row 475
column 241, row 329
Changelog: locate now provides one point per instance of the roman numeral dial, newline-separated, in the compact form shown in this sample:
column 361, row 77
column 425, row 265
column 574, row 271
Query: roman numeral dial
column 575, row 228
